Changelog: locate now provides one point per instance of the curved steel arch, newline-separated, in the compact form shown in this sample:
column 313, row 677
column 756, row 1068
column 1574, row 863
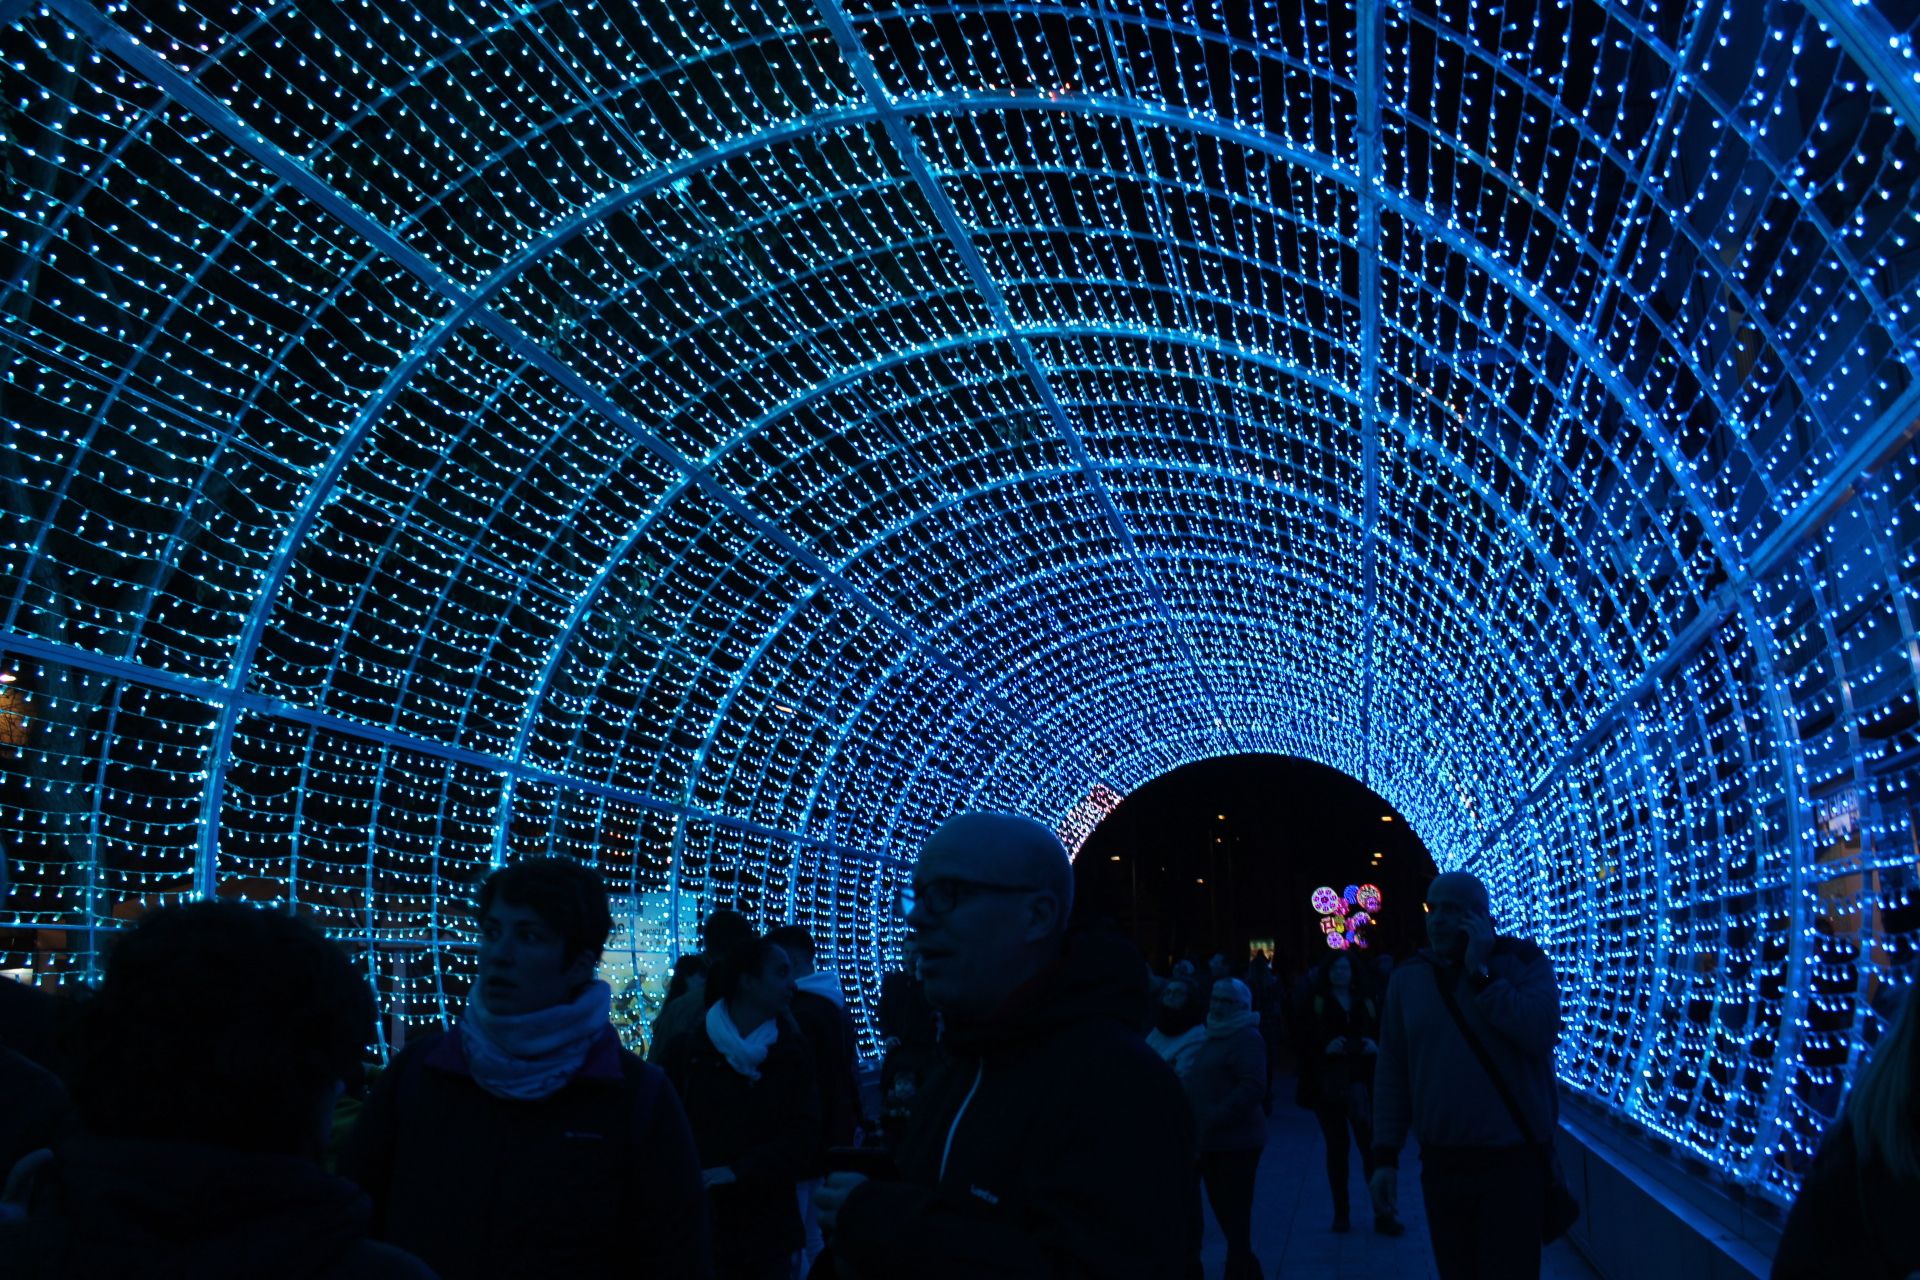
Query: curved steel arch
column 1542, row 553
column 473, row 303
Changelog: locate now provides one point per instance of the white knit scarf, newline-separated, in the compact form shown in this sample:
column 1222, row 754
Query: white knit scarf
column 532, row 1055
column 823, row 982
column 743, row 1053
column 1222, row 1025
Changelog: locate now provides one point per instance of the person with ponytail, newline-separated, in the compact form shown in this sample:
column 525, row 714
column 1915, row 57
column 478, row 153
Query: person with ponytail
column 1858, row 1207
column 745, row 1073
column 1226, row 1085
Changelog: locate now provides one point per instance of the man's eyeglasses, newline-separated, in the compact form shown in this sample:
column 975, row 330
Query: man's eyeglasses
column 942, row 894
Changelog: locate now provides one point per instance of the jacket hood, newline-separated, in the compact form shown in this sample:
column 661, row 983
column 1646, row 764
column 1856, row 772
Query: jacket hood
column 823, row 982
column 134, row 1208
column 1097, row 977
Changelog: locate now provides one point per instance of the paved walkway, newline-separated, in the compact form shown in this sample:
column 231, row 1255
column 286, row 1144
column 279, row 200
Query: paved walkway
column 1293, row 1209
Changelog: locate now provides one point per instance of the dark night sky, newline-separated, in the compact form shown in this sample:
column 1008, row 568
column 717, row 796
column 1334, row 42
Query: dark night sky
column 1230, row 850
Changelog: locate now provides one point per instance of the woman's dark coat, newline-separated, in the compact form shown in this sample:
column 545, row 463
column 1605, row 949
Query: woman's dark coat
column 767, row 1131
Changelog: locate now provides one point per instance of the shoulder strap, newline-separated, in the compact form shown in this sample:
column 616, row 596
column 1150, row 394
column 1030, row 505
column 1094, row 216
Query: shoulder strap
column 1499, row 1082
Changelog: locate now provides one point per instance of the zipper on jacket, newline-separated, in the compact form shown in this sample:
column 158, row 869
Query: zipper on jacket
column 959, row 1115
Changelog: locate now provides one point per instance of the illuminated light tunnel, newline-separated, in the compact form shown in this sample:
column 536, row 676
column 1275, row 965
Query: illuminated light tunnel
column 718, row 440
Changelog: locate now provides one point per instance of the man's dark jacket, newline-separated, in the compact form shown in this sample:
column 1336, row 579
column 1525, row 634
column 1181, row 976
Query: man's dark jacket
column 598, row 1179
column 126, row 1209
column 836, row 1051
column 1052, row 1143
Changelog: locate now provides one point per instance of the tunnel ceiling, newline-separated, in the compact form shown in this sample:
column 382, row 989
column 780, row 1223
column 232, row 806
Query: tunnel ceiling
column 718, row 440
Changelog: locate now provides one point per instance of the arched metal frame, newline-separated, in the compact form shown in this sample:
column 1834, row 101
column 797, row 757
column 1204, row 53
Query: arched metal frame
column 716, row 445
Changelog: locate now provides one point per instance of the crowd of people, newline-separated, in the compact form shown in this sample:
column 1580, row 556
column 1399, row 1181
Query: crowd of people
column 1046, row 1107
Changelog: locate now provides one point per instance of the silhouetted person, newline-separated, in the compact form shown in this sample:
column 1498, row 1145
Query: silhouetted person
column 1268, row 1001
column 526, row 1141
column 1179, row 1026
column 820, row 1007
column 1483, row 1174
column 35, row 1108
column 746, row 1074
column 28, row 1016
column 1052, row 1141
column 35, row 1111
column 689, row 974
column 1858, row 1211
column 721, row 932
column 205, row 1074
column 1344, row 1032
column 1225, row 1084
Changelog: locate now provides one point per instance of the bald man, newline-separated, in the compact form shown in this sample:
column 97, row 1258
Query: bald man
column 1051, row 1142
column 1481, row 1170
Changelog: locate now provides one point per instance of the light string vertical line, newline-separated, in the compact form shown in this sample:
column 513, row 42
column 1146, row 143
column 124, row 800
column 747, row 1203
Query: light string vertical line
column 1370, row 54
column 1868, row 794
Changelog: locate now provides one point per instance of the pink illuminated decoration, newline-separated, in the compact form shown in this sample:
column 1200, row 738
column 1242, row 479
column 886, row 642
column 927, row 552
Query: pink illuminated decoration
column 1089, row 813
column 1345, row 916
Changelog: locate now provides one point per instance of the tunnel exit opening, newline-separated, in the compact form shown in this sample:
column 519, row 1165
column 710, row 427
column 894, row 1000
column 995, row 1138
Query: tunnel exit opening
column 1227, row 856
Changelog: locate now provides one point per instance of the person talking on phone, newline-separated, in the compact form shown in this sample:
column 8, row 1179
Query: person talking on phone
column 1051, row 1141
column 1466, row 1063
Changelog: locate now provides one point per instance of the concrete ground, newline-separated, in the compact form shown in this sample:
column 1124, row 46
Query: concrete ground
column 1293, row 1210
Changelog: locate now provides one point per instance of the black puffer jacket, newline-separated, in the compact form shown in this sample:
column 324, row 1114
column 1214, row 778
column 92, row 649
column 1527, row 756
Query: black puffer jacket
column 1052, row 1143
column 132, row 1210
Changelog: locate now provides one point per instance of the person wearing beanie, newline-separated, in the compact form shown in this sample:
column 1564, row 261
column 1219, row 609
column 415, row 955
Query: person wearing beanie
column 1225, row 1084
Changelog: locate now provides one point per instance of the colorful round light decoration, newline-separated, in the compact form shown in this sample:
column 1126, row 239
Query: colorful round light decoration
column 1343, row 916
